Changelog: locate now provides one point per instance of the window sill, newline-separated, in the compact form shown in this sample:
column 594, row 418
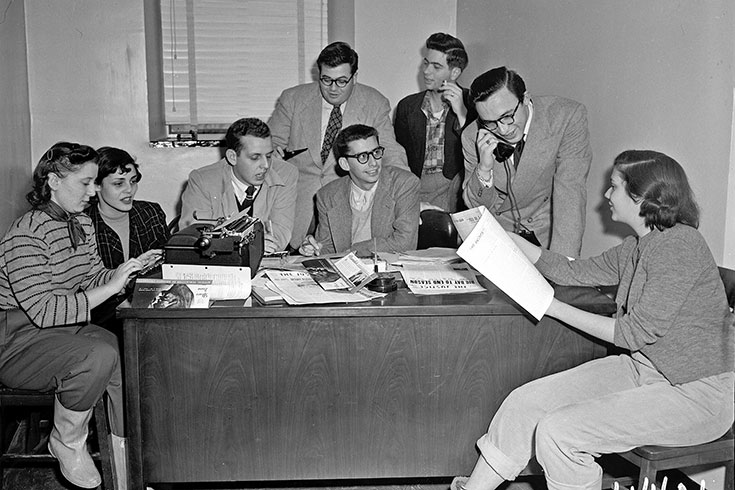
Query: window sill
column 186, row 143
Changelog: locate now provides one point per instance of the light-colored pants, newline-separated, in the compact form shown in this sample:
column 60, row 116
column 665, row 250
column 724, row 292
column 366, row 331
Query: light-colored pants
column 79, row 363
column 608, row 405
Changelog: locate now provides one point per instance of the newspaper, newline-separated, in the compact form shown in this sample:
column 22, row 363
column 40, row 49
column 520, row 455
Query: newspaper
column 490, row 250
column 440, row 279
column 299, row 288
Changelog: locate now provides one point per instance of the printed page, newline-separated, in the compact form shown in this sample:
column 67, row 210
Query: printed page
column 465, row 221
column 440, row 279
column 355, row 271
column 160, row 293
column 490, row 250
column 299, row 288
column 228, row 281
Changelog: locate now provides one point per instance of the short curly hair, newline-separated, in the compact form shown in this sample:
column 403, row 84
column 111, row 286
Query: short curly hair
column 61, row 159
column 661, row 186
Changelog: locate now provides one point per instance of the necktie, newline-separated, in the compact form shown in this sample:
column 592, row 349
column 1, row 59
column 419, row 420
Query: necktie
column 517, row 152
column 333, row 127
column 248, row 201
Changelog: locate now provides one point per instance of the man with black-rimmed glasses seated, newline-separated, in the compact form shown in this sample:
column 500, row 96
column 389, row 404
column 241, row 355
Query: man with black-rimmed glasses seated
column 373, row 209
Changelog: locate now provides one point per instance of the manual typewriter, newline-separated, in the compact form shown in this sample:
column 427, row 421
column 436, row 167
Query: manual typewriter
column 236, row 241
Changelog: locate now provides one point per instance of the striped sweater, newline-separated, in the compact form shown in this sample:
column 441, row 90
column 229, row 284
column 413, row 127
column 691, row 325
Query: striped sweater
column 43, row 275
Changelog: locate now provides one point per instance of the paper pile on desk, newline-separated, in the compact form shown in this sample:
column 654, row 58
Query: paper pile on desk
column 490, row 250
column 299, row 288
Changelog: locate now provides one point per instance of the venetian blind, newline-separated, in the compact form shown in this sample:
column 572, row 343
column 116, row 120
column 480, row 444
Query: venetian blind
column 227, row 59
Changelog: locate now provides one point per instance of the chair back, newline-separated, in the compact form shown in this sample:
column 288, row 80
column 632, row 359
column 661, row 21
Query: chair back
column 436, row 230
column 728, row 279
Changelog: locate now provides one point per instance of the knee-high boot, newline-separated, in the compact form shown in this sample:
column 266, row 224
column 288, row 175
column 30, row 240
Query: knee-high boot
column 119, row 461
column 68, row 444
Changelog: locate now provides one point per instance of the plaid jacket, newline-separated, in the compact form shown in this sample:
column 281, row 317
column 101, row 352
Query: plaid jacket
column 148, row 230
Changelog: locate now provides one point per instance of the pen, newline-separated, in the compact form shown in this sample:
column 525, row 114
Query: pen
column 375, row 254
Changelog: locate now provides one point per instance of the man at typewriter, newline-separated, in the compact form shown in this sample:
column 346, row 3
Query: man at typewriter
column 247, row 179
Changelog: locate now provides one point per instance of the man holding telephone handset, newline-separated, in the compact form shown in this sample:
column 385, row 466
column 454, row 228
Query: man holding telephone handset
column 527, row 161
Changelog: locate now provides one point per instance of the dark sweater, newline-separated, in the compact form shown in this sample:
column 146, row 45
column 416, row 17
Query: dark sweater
column 671, row 300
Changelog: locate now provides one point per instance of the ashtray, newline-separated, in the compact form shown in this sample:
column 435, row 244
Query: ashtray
column 383, row 284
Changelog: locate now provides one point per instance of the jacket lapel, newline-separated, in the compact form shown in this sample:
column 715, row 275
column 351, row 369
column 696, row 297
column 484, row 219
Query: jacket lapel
column 340, row 217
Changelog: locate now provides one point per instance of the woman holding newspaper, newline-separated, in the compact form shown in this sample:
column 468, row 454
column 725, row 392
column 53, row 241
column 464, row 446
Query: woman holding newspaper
column 675, row 387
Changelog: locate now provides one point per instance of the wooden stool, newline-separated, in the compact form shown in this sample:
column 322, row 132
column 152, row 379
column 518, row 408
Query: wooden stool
column 32, row 402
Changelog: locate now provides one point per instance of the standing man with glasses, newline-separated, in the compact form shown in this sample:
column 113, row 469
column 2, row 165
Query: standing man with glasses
column 373, row 209
column 310, row 116
column 527, row 159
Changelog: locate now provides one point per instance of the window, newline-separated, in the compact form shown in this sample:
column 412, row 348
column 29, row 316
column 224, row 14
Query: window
column 220, row 60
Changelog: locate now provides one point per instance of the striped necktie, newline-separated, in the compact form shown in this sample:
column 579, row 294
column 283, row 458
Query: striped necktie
column 333, row 127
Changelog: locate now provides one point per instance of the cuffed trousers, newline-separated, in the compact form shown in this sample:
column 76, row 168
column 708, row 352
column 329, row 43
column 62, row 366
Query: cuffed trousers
column 609, row 405
column 79, row 363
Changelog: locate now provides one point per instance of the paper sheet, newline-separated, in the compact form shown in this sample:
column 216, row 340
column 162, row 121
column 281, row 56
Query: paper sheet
column 228, row 282
column 490, row 250
column 440, row 279
column 299, row 288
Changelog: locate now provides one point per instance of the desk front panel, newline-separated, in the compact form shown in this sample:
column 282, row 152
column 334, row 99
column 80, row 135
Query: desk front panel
column 333, row 397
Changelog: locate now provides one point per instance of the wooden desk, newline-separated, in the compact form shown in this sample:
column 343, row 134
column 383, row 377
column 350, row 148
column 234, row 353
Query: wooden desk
column 400, row 387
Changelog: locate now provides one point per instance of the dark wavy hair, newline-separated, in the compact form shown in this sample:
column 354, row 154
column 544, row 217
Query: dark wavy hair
column 450, row 46
column 350, row 134
column 61, row 159
column 247, row 126
column 493, row 80
column 111, row 160
column 338, row 53
column 659, row 183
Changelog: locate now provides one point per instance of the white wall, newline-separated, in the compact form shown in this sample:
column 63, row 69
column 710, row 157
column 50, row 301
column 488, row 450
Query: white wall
column 656, row 74
column 389, row 36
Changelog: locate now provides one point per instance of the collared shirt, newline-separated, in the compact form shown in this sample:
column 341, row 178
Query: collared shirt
column 435, row 127
column 525, row 130
column 361, row 202
column 241, row 188
column 326, row 111
column 361, row 199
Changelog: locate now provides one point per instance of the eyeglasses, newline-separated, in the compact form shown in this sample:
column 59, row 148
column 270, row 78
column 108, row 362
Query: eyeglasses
column 505, row 120
column 362, row 158
column 340, row 82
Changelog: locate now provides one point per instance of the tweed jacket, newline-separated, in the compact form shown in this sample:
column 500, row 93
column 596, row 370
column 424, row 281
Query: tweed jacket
column 394, row 221
column 550, row 184
column 209, row 192
column 296, row 123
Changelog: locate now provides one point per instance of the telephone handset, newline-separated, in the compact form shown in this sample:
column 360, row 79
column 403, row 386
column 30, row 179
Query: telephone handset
column 503, row 151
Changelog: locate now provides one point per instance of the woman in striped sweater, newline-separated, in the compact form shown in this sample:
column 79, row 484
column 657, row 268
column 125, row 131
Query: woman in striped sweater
column 51, row 276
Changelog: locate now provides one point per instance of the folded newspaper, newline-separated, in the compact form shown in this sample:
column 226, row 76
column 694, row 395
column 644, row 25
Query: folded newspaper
column 487, row 247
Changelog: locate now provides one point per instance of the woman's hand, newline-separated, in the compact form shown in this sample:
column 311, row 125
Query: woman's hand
column 100, row 294
column 150, row 259
column 122, row 274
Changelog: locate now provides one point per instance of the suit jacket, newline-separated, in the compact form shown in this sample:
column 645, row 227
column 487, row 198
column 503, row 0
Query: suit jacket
column 410, row 129
column 210, row 193
column 394, row 221
column 550, row 183
column 296, row 123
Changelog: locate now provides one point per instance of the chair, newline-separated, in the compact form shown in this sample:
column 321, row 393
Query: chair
column 652, row 459
column 436, row 230
column 31, row 403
